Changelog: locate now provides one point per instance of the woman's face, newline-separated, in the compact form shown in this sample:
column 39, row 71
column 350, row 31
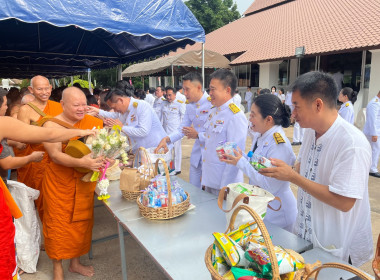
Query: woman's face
column 273, row 89
column 342, row 98
column 258, row 123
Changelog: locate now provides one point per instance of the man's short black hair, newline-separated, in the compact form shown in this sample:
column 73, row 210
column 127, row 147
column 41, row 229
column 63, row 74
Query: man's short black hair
column 193, row 77
column 115, row 92
column 170, row 88
column 178, row 88
column 152, row 90
column 265, row 91
column 315, row 84
column 227, row 77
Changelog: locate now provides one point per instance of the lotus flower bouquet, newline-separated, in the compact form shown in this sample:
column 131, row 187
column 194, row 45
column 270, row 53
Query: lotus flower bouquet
column 110, row 144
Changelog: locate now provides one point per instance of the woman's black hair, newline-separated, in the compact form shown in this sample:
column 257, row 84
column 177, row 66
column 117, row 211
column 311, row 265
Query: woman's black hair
column 282, row 90
column 91, row 99
column 271, row 105
column 126, row 87
column 275, row 89
column 351, row 94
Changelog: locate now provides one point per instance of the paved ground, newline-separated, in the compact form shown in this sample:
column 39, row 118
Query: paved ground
column 140, row 266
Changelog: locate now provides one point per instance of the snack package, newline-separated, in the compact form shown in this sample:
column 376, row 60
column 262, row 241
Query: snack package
column 242, row 234
column 257, row 254
column 225, row 148
column 218, row 261
column 241, row 189
column 229, row 276
column 247, row 274
column 258, row 162
column 232, row 252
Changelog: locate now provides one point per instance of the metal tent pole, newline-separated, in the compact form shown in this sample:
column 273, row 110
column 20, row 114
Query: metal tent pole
column 119, row 72
column 203, row 66
column 89, row 79
column 172, row 76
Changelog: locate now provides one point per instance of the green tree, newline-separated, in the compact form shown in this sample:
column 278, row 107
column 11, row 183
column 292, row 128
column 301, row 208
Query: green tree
column 213, row 14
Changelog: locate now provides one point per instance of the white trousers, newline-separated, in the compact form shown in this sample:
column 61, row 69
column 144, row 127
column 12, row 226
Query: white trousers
column 298, row 132
column 177, row 155
column 375, row 153
column 196, row 175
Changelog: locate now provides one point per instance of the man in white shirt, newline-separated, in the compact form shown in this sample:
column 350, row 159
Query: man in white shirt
column 372, row 131
column 179, row 95
column 149, row 98
column 157, row 105
column 173, row 111
column 248, row 98
column 237, row 99
column 334, row 161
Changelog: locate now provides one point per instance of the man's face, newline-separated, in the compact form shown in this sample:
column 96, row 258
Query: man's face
column 159, row 92
column 118, row 104
column 75, row 107
column 303, row 112
column 170, row 95
column 41, row 89
column 4, row 107
column 218, row 93
column 192, row 90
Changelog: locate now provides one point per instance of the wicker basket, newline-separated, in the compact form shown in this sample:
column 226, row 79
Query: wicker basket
column 164, row 213
column 133, row 195
column 268, row 242
column 376, row 261
column 341, row 266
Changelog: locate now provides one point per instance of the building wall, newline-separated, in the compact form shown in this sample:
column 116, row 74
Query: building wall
column 374, row 83
column 269, row 74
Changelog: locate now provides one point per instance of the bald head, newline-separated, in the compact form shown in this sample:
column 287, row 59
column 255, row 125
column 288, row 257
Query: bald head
column 74, row 104
column 40, row 88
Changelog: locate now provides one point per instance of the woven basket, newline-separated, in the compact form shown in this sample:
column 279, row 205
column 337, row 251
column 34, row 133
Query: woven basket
column 268, row 243
column 133, row 195
column 346, row 267
column 376, row 261
column 164, row 213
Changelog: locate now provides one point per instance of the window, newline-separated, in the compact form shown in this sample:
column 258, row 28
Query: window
column 367, row 69
column 255, row 74
column 283, row 74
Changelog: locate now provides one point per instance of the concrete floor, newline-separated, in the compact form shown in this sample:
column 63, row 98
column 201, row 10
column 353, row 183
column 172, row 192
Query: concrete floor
column 106, row 259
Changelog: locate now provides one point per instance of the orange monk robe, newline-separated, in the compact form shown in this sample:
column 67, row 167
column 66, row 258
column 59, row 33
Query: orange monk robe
column 68, row 207
column 33, row 173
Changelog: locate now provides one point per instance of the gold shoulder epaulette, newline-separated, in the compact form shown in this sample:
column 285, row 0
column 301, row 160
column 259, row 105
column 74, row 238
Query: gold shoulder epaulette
column 180, row 101
column 235, row 109
column 347, row 104
column 187, row 101
column 376, row 100
column 163, row 98
column 278, row 138
column 209, row 98
column 135, row 104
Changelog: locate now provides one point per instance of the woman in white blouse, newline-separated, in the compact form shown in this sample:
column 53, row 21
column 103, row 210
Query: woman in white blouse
column 348, row 97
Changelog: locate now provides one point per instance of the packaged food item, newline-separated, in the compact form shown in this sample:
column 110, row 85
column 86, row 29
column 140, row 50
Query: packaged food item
column 225, row 148
column 242, row 234
column 232, row 252
column 228, row 276
column 257, row 254
column 258, row 162
column 221, row 153
column 241, row 189
column 247, row 274
column 218, row 261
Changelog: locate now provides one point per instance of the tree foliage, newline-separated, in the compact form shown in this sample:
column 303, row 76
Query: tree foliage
column 213, row 14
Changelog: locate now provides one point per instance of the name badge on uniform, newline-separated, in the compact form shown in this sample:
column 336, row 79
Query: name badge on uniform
column 133, row 118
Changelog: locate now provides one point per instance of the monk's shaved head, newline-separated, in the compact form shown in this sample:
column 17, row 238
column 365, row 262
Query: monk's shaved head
column 74, row 104
column 72, row 92
column 38, row 79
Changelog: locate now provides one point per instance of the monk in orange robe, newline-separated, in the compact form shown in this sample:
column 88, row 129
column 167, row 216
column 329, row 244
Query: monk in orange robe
column 11, row 128
column 31, row 113
column 68, row 201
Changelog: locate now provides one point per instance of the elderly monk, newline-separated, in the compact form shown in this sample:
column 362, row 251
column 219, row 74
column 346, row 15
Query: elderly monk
column 31, row 113
column 8, row 207
column 68, row 202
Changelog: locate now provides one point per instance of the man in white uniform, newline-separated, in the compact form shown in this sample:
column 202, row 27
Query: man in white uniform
column 149, row 96
column 237, row 99
column 173, row 111
column 136, row 118
column 372, row 131
column 332, row 178
column 157, row 105
column 179, row 95
column 225, row 123
column 197, row 110
column 248, row 98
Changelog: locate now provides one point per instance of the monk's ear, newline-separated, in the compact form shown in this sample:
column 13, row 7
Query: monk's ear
column 62, row 103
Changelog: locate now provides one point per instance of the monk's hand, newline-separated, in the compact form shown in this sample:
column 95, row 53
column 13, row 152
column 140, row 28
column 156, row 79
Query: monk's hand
column 190, row 132
column 20, row 146
column 112, row 122
column 36, row 156
column 230, row 159
column 162, row 145
column 93, row 111
column 374, row 138
column 280, row 171
column 95, row 164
